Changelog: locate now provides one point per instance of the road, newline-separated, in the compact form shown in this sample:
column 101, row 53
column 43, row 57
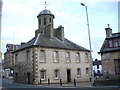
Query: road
column 8, row 85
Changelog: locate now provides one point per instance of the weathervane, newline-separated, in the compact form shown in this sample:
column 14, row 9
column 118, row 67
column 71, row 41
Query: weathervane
column 45, row 5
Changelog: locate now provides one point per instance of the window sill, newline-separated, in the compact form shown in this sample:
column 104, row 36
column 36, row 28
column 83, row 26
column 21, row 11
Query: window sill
column 43, row 79
column 56, row 78
column 55, row 62
column 77, row 61
column 42, row 62
column 78, row 76
column 68, row 62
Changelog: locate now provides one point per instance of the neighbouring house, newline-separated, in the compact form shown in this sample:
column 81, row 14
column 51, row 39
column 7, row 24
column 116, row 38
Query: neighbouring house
column 8, row 63
column 50, row 56
column 110, row 53
column 1, row 69
column 97, row 67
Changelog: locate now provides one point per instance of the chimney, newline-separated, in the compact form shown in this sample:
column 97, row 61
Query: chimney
column 23, row 43
column 60, row 32
column 108, row 31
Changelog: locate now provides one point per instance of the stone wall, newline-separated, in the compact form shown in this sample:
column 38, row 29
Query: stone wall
column 108, row 61
column 49, row 65
column 8, row 60
column 33, row 66
column 23, row 68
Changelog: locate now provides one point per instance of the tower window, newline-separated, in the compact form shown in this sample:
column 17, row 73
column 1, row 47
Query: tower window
column 50, row 20
column 44, row 21
column 40, row 21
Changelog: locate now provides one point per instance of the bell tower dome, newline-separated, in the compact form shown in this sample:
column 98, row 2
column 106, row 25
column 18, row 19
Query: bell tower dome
column 45, row 19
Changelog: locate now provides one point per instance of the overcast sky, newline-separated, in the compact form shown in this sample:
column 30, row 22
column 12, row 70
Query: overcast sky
column 19, row 20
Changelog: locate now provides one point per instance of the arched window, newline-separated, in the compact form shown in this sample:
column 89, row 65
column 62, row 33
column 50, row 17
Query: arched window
column 50, row 20
column 40, row 21
column 44, row 21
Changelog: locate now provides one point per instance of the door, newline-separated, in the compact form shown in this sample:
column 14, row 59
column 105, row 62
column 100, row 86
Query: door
column 28, row 78
column 16, row 77
column 68, row 75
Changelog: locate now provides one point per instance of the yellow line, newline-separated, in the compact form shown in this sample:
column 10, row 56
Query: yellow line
column 0, row 54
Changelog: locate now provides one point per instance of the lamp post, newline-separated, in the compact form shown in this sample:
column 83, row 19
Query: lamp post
column 89, row 41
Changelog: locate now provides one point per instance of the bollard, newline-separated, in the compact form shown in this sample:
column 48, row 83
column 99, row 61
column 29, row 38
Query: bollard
column 48, row 81
column 40, row 81
column 74, row 82
column 61, row 82
column 90, row 79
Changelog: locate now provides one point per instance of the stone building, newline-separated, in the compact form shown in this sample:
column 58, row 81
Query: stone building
column 97, row 67
column 49, row 55
column 110, row 53
column 8, row 64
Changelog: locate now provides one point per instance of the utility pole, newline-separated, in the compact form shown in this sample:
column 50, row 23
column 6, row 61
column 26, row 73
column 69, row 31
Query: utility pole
column 89, row 42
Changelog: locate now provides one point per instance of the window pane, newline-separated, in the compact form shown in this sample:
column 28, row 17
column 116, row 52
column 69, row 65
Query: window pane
column 78, row 72
column 42, row 56
column 117, row 66
column 67, row 57
column 110, row 44
column 115, row 43
column 87, row 71
column 56, row 57
column 86, row 57
column 77, row 57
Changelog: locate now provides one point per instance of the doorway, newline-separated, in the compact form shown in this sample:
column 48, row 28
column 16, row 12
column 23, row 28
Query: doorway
column 16, row 77
column 28, row 78
column 68, row 75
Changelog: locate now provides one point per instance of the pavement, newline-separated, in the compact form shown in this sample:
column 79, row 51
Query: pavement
column 78, row 85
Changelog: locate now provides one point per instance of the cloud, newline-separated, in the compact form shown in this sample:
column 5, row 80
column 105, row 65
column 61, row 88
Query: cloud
column 19, row 16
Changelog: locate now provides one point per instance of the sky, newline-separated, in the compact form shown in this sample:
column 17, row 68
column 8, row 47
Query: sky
column 19, row 20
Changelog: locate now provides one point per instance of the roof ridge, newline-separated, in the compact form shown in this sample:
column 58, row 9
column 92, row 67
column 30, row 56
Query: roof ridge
column 38, row 35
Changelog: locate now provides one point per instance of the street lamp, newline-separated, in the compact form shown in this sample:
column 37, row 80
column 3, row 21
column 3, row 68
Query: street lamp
column 89, row 41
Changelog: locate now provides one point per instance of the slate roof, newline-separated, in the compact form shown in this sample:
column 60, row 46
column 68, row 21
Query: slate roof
column 42, row 41
column 45, row 12
column 104, row 47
